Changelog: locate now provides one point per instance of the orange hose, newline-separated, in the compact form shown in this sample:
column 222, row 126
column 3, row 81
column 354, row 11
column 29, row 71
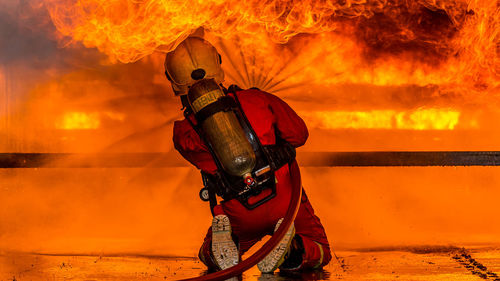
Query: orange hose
column 291, row 212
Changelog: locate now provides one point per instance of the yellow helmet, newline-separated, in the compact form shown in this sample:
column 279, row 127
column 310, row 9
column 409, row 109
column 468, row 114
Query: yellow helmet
column 192, row 60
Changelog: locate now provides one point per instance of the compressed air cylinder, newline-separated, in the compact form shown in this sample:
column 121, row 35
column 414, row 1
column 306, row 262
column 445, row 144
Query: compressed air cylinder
column 223, row 130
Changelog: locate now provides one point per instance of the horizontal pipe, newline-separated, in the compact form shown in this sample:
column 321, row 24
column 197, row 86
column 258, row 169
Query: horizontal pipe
column 306, row 159
column 402, row 158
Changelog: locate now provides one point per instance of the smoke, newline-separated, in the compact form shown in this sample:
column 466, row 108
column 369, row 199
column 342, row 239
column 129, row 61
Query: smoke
column 101, row 211
column 406, row 205
column 29, row 38
column 423, row 33
column 20, row 40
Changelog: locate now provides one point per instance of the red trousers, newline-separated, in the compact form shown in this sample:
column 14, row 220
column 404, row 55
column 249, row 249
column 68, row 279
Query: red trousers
column 250, row 226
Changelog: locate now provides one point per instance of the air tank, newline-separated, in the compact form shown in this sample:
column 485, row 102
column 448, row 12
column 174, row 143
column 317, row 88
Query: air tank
column 223, row 130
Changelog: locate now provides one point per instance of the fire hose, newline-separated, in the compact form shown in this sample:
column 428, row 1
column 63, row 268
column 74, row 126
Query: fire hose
column 246, row 264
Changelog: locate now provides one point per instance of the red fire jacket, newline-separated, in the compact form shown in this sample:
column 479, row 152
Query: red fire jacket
column 268, row 116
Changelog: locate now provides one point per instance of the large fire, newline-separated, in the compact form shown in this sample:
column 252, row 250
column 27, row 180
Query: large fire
column 445, row 42
column 288, row 45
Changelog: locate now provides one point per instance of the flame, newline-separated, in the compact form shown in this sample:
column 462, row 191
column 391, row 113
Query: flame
column 445, row 42
column 79, row 121
column 427, row 119
column 420, row 119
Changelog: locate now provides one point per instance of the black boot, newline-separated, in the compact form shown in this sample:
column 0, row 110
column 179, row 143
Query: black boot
column 295, row 254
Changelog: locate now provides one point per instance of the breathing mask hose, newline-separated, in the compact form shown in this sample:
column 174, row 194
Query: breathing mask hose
column 290, row 215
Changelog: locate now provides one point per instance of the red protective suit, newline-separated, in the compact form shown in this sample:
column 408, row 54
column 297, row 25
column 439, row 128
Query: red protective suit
column 269, row 116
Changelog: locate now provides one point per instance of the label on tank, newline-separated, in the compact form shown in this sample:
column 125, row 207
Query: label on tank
column 206, row 99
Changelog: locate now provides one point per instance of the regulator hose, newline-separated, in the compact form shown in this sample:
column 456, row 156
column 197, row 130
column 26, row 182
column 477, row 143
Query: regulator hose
column 291, row 212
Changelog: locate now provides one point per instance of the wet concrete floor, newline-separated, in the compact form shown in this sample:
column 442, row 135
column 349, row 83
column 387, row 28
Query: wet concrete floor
column 390, row 263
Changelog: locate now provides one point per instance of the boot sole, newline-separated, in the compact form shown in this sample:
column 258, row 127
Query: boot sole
column 224, row 249
column 277, row 256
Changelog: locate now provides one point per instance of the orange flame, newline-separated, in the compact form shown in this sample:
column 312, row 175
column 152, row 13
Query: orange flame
column 84, row 120
column 445, row 42
column 421, row 119
column 79, row 120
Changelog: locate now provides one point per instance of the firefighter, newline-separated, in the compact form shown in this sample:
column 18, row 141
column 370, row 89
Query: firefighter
column 243, row 141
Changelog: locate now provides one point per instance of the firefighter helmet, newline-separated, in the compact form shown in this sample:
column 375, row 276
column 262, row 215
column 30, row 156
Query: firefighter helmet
column 192, row 60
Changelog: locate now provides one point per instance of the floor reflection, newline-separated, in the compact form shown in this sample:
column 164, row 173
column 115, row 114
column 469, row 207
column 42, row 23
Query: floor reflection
column 438, row 263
